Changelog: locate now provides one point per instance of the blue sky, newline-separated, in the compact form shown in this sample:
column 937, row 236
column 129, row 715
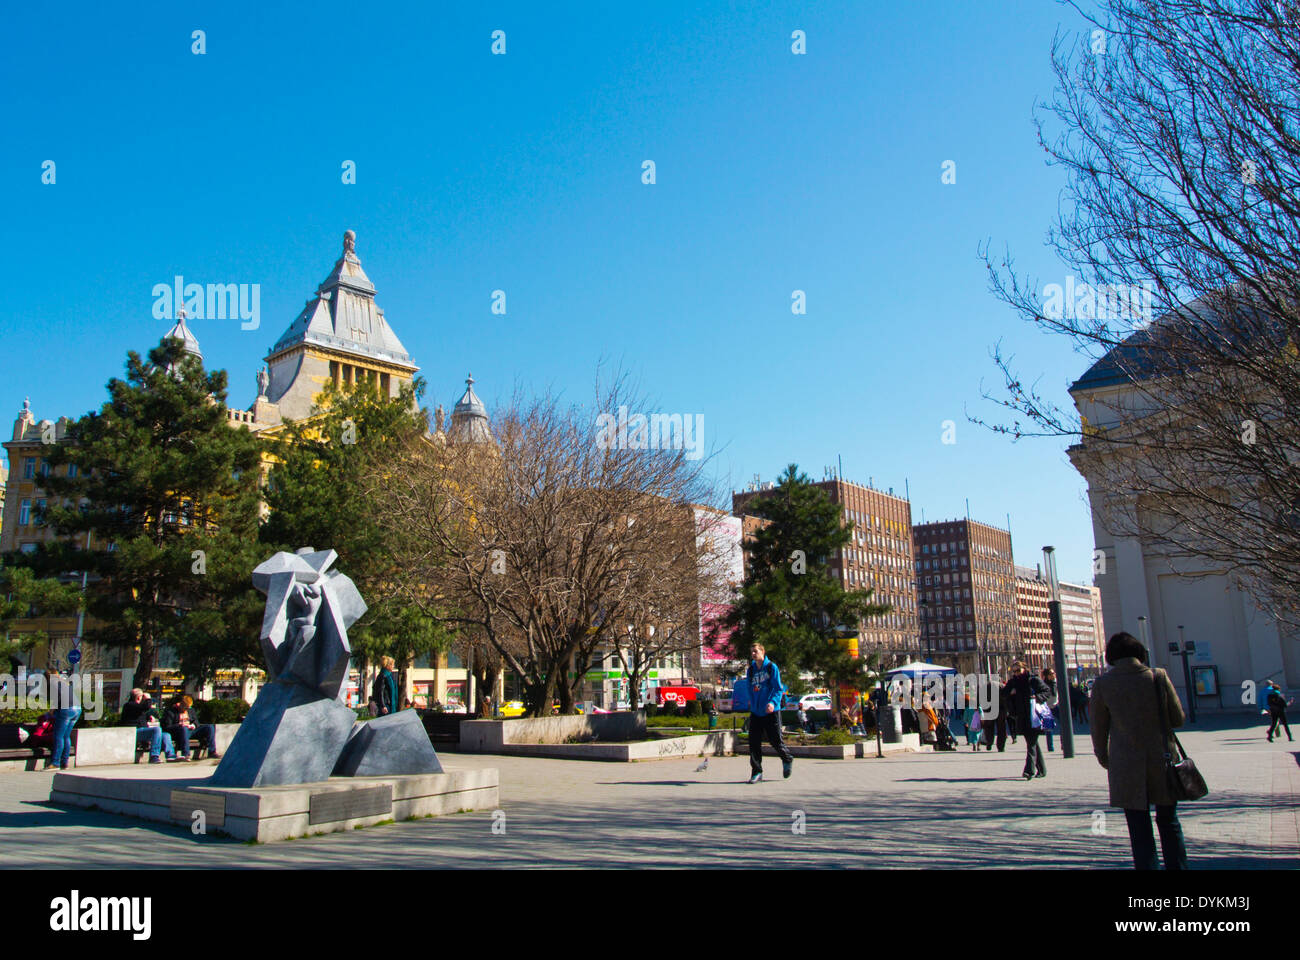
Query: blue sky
column 522, row 172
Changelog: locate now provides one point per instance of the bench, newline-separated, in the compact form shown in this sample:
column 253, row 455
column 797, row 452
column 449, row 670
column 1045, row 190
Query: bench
column 13, row 746
column 196, row 751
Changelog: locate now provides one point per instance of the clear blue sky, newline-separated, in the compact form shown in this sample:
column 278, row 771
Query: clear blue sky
column 522, row 172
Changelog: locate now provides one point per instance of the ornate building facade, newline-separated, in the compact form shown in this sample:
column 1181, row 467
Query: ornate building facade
column 341, row 336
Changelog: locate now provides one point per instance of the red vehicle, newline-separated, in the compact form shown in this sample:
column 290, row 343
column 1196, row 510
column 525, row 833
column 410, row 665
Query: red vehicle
column 676, row 695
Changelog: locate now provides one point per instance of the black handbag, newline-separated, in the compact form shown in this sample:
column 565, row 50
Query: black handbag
column 1185, row 781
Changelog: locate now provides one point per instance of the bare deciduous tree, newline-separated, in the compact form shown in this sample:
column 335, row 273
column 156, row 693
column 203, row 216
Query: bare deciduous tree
column 1178, row 128
column 541, row 540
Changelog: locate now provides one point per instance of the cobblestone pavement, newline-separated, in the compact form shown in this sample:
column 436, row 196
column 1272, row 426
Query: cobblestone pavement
column 954, row 810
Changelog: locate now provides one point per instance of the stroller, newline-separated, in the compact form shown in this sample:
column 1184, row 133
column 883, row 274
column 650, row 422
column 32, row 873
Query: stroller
column 943, row 738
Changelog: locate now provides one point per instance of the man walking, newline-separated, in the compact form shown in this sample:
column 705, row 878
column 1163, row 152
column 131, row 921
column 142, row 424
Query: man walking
column 1277, row 705
column 765, row 689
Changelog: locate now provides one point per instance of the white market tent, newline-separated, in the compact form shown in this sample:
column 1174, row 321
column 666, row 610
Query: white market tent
column 918, row 669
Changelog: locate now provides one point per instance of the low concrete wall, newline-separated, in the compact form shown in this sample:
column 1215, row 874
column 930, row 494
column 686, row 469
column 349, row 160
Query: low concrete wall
column 489, row 736
column 273, row 813
column 99, row 746
column 717, row 744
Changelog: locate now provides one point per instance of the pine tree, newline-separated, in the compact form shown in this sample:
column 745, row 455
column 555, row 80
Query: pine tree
column 791, row 603
column 24, row 594
column 319, row 495
column 167, row 491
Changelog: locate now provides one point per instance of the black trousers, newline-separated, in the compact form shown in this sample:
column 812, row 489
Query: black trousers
column 1143, row 841
column 994, row 729
column 766, row 727
column 1033, row 753
column 1279, row 717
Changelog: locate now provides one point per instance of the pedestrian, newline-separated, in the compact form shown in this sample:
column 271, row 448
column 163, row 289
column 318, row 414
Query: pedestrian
column 1026, row 693
column 1049, row 678
column 384, row 692
column 803, row 718
column 1129, row 741
column 971, row 718
column 66, row 710
column 1277, row 705
column 765, row 689
column 994, row 721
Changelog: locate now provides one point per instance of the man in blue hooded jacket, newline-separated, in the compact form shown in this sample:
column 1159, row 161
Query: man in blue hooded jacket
column 765, row 689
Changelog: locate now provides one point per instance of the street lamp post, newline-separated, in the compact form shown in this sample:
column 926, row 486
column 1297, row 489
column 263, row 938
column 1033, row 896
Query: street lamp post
column 1058, row 649
column 1187, row 649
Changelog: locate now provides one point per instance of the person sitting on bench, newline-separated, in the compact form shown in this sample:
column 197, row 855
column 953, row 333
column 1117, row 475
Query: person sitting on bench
column 179, row 723
column 139, row 712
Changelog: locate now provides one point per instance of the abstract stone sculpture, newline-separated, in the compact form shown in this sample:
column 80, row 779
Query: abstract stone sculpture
column 300, row 725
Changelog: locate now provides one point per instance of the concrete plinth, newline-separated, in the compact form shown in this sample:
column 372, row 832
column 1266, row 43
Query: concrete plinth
column 171, row 795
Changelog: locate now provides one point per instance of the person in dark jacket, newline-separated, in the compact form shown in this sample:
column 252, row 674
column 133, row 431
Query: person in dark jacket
column 1277, row 705
column 139, row 712
column 994, row 721
column 1023, row 690
column 180, row 724
column 1049, row 678
column 1128, row 739
column 384, row 694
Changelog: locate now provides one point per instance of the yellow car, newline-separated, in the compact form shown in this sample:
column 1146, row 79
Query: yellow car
column 513, row 708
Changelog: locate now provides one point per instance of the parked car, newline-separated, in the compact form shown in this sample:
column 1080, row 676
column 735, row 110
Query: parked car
column 513, row 708
column 813, row 701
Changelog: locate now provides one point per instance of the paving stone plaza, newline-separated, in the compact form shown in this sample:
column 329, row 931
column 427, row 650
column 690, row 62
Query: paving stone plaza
column 952, row 810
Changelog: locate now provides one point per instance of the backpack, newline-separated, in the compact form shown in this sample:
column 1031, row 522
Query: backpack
column 1275, row 700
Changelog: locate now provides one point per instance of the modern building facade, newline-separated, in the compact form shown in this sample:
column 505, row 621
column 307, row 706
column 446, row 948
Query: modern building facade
column 966, row 580
column 1082, row 627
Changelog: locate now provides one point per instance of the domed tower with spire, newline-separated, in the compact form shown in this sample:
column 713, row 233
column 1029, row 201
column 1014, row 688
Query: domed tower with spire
column 469, row 418
column 341, row 336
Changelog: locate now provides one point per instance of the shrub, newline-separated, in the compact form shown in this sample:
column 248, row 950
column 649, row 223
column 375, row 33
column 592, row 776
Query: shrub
column 706, row 706
column 109, row 719
column 834, row 737
column 651, row 710
column 693, row 708
column 222, row 711
column 20, row 716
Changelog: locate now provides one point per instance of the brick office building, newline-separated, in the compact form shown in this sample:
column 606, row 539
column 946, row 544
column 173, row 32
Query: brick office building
column 965, row 577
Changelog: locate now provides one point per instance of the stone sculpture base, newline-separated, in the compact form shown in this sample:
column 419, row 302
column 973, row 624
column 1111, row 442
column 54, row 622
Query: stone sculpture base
column 291, row 735
column 187, row 798
column 386, row 746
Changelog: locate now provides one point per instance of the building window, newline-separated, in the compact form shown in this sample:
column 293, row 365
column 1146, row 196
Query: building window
column 29, row 468
column 25, row 511
column 72, row 470
column 28, row 548
column 40, row 512
column 45, row 467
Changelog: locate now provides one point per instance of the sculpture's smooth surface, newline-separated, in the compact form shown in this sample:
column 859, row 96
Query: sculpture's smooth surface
column 388, row 746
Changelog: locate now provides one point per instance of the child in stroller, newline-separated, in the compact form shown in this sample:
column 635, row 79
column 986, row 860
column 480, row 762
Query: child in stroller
column 943, row 738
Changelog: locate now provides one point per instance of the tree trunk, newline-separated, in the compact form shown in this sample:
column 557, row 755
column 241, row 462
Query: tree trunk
column 144, row 667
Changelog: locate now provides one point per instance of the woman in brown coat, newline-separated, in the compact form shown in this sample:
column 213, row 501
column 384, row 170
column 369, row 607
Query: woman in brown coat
column 1128, row 740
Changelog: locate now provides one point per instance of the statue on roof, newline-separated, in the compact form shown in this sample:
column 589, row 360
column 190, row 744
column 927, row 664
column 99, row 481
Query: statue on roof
column 263, row 383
